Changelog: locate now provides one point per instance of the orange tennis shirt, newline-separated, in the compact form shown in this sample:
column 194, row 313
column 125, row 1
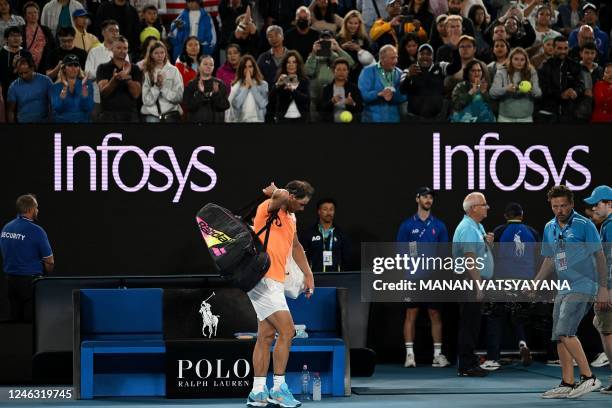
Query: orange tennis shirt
column 280, row 242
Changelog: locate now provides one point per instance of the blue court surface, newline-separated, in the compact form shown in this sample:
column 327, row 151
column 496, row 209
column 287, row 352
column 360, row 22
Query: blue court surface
column 395, row 386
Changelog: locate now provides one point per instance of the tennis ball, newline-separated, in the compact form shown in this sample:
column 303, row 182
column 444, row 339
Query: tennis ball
column 346, row 117
column 524, row 86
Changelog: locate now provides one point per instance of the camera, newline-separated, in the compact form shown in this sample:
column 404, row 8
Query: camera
column 291, row 80
column 406, row 16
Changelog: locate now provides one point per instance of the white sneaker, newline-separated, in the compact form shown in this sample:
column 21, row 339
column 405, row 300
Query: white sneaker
column 600, row 361
column 409, row 361
column 440, row 361
column 490, row 365
column 585, row 386
column 560, row 391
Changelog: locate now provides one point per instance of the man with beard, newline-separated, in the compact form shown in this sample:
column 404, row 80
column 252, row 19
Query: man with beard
column 424, row 228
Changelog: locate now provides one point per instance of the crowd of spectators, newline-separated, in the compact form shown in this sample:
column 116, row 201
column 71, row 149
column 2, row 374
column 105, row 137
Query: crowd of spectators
column 305, row 61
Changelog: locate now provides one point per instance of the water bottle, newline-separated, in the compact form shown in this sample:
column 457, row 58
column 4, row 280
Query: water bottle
column 305, row 383
column 316, row 387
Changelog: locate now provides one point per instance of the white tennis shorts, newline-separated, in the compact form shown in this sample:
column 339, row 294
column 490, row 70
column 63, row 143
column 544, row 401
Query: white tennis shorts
column 268, row 297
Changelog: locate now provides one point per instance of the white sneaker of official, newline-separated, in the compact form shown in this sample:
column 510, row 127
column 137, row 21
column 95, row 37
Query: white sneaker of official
column 600, row 361
column 440, row 361
column 585, row 386
column 490, row 365
column 558, row 392
column 409, row 361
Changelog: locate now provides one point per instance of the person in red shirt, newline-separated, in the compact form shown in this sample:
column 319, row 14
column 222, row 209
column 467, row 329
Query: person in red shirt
column 187, row 63
column 602, row 94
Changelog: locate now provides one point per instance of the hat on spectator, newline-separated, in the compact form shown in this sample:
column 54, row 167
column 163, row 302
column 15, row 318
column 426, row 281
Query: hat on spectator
column 79, row 13
column 425, row 46
column 589, row 6
column 71, row 59
column 600, row 193
column 423, row 191
column 149, row 32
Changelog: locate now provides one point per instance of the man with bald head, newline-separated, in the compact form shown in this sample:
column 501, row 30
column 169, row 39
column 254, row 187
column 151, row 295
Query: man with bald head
column 470, row 241
column 600, row 37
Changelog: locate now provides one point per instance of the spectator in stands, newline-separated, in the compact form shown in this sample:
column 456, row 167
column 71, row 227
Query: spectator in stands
column 545, row 54
column 501, row 50
column 372, row 10
column 100, row 54
column 8, row 19
column 520, row 32
column 27, row 99
column 302, row 37
column 562, row 84
column 585, row 35
column 187, row 62
column 569, row 16
column 229, row 11
column 543, row 24
column 423, row 83
column 26, row 255
column 509, row 264
column 408, row 50
column 600, row 37
column 83, row 39
column 453, row 32
column 141, row 6
column 602, row 95
column 420, row 10
column 467, row 53
column 162, row 88
column 340, row 95
column 516, row 104
column 471, row 241
column 379, row 87
column 470, row 99
column 455, row 8
column 354, row 39
column 280, row 12
column 393, row 28
column 57, row 14
column 150, row 18
column 127, row 19
column 422, row 233
column 439, row 33
column 151, row 35
column 327, row 246
column 249, row 94
column 592, row 72
column 65, row 36
column 325, row 15
column 120, row 86
column 319, row 69
column 245, row 34
column 9, row 55
column 206, row 97
column 227, row 72
column 72, row 95
column 37, row 39
column 193, row 21
column 270, row 60
column 289, row 97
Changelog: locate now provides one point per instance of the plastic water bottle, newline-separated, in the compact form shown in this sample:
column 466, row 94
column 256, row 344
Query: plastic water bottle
column 305, row 383
column 316, row 387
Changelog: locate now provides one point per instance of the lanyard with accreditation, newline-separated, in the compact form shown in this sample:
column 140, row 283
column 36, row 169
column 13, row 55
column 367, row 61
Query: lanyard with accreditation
column 328, row 258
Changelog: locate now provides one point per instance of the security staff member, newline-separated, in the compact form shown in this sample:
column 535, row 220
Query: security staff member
column 327, row 247
column 26, row 255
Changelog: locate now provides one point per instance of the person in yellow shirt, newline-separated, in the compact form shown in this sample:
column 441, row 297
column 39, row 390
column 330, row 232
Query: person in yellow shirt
column 391, row 30
column 83, row 39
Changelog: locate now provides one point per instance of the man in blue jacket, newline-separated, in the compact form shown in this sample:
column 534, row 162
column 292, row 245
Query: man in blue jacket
column 379, row 85
column 193, row 20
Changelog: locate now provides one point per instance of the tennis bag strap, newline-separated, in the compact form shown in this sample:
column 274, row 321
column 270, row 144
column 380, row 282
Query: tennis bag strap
column 273, row 217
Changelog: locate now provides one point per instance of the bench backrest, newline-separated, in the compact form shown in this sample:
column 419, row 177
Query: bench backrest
column 121, row 312
column 319, row 313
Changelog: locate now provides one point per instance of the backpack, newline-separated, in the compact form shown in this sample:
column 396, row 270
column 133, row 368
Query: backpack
column 236, row 251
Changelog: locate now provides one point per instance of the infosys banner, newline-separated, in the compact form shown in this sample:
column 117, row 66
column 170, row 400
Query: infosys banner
column 120, row 200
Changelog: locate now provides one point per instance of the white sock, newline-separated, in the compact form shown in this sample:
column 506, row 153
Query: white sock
column 437, row 349
column 258, row 384
column 409, row 348
column 278, row 381
column 522, row 344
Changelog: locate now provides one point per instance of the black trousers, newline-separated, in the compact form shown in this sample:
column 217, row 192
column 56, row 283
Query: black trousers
column 469, row 329
column 20, row 298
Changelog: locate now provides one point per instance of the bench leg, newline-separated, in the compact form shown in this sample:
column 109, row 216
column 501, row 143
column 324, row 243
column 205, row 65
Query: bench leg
column 87, row 377
column 338, row 372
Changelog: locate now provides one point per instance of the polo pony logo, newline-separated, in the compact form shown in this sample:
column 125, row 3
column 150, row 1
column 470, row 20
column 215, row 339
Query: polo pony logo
column 210, row 321
column 519, row 246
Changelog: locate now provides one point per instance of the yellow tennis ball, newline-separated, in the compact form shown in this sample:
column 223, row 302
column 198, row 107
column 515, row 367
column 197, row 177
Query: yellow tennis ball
column 346, row 117
column 524, row 86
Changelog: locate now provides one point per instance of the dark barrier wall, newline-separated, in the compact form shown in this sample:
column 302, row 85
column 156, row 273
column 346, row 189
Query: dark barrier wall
column 120, row 200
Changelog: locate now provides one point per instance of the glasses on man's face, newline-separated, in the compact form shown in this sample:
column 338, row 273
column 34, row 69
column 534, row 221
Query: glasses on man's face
column 482, row 205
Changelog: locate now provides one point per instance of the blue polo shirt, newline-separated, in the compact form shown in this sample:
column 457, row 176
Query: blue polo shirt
column 415, row 229
column 579, row 240
column 470, row 237
column 24, row 245
column 605, row 233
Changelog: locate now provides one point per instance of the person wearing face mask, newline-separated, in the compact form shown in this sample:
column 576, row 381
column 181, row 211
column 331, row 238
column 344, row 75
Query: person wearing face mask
column 206, row 97
column 72, row 95
column 423, row 83
column 302, row 37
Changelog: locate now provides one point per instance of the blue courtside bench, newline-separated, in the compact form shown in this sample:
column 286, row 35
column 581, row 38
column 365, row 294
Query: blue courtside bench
column 119, row 346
